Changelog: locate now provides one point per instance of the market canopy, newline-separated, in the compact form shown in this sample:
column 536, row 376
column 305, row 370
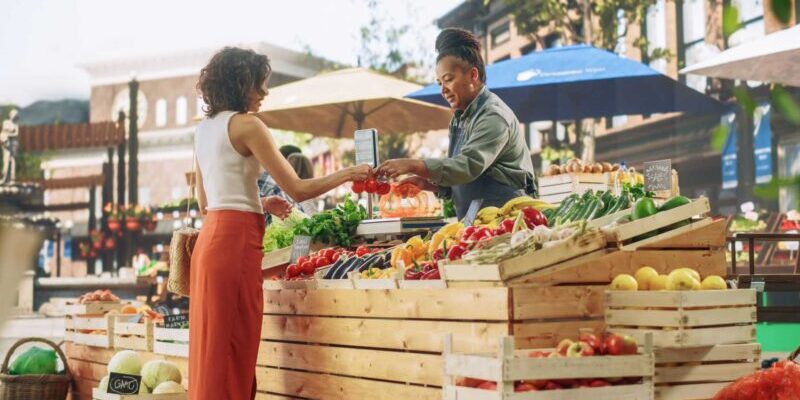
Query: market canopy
column 581, row 81
column 772, row 58
column 335, row 104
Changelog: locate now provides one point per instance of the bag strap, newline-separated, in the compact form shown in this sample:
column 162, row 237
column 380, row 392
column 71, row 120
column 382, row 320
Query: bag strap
column 192, row 182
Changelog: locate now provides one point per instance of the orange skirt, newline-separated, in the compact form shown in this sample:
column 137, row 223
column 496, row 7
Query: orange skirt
column 226, row 306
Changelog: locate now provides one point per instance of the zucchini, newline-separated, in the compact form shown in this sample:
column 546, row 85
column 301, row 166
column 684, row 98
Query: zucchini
column 565, row 205
column 597, row 209
column 587, row 210
column 572, row 211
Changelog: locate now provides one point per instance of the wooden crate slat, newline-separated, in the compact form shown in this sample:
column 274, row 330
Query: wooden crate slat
column 127, row 328
column 623, row 392
column 474, row 366
column 686, row 299
column 472, row 272
column 180, row 335
column 520, row 368
column 82, row 352
column 171, row 349
column 722, row 352
column 660, row 220
column 405, row 303
column 387, row 334
column 98, row 395
column 673, row 234
column 416, row 368
column 693, row 337
column 99, row 307
column 133, row 343
column 699, row 391
column 323, row 386
column 270, row 396
column 706, row 235
column 96, row 340
column 705, row 372
column 562, row 302
column 685, row 318
column 547, row 334
column 95, row 322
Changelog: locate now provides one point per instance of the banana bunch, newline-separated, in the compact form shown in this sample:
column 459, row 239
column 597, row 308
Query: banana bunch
column 487, row 214
column 512, row 207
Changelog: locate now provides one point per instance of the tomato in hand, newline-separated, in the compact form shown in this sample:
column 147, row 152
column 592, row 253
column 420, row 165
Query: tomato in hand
column 383, row 188
column 371, row 185
column 358, row 187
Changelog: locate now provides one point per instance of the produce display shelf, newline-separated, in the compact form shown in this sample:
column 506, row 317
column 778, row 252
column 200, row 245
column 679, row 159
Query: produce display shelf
column 132, row 332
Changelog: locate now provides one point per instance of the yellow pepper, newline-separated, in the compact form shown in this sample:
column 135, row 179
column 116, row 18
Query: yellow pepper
column 400, row 253
column 417, row 246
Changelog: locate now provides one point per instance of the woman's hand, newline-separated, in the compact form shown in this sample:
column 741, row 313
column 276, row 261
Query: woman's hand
column 359, row 172
column 421, row 183
column 276, row 206
column 403, row 166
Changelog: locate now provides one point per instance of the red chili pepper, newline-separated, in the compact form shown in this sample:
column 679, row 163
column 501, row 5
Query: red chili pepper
column 456, row 252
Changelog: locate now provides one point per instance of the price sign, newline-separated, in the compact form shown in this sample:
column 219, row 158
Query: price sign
column 366, row 142
column 472, row 211
column 300, row 247
column 176, row 321
column 658, row 175
column 123, row 383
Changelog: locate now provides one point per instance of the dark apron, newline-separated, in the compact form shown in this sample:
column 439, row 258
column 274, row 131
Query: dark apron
column 485, row 187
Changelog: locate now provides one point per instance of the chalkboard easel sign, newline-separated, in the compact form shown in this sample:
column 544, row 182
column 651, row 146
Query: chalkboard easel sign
column 176, row 321
column 658, row 175
column 301, row 246
column 123, row 383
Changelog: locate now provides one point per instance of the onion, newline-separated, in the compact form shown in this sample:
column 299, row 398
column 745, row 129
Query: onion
column 597, row 168
column 587, row 168
column 607, row 167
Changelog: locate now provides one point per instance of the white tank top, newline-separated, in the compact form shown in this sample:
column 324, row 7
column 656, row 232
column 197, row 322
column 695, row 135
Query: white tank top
column 230, row 180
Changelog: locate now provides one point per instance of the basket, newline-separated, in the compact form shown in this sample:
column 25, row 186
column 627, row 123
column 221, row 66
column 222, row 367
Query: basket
column 34, row 387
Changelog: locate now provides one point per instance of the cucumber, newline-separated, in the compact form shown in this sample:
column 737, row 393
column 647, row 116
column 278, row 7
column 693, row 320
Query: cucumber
column 565, row 205
column 644, row 208
column 587, row 210
column 573, row 211
column 597, row 208
column 673, row 202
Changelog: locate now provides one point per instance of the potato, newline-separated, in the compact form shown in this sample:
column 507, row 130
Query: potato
column 587, row 168
column 607, row 167
column 597, row 168
column 558, row 170
column 615, row 168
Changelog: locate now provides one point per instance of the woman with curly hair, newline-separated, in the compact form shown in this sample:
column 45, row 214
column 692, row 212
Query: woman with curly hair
column 232, row 145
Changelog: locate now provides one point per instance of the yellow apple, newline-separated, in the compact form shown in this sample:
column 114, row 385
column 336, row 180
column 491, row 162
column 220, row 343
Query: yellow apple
column 624, row 282
column 694, row 273
column 680, row 279
column 714, row 282
column 658, row 283
column 644, row 276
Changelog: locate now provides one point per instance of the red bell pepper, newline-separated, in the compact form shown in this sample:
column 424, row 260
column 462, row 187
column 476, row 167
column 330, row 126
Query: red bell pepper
column 533, row 217
column 456, row 252
column 431, row 275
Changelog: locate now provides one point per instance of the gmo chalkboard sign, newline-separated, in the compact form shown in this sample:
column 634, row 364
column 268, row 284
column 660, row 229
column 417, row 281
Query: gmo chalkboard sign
column 658, row 175
column 123, row 383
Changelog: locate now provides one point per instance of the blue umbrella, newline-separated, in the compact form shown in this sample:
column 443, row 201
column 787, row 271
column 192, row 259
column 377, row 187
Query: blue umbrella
column 581, row 81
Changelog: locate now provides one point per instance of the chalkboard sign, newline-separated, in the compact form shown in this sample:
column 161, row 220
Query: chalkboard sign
column 472, row 211
column 658, row 175
column 366, row 143
column 176, row 321
column 300, row 247
column 123, row 383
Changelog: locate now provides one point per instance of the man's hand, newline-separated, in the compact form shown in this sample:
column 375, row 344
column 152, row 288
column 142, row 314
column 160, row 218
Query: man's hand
column 402, row 166
column 276, row 206
column 421, row 183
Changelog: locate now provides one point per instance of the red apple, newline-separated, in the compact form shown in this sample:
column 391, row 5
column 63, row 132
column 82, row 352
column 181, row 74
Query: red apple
column 563, row 346
column 629, row 345
column 613, row 344
column 538, row 384
column 469, row 382
column 599, row 383
column 538, row 354
column 593, row 341
column 524, row 387
column 488, row 385
column 580, row 349
column 550, row 385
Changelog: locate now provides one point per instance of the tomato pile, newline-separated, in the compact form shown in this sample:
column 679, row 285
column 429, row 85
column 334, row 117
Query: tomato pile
column 371, row 186
column 780, row 382
column 306, row 265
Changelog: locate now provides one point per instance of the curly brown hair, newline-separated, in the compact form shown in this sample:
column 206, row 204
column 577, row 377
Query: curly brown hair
column 229, row 77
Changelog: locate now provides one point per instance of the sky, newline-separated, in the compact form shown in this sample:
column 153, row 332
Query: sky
column 43, row 42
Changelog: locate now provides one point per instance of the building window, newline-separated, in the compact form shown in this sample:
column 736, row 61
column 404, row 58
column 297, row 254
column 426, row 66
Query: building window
column 161, row 112
column 501, row 34
column 621, row 47
column 180, row 111
column 657, row 32
column 751, row 17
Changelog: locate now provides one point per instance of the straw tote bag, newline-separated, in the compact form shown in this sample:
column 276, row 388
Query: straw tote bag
column 182, row 245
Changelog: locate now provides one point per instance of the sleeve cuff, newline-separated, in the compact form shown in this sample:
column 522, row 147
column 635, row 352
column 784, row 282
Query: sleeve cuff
column 434, row 167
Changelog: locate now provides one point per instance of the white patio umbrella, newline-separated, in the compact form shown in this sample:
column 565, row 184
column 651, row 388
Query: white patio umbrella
column 335, row 104
column 772, row 58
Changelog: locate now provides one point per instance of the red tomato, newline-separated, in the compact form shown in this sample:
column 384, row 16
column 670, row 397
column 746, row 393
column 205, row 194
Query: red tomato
column 307, row 267
column 335, row 257
column 319, row 262
column 524, row 387
column 361, row 250
column 358, row 187
column 327, row 253
column 371, row 185
column 302, row 259
column 383, row 188
column 292, row 271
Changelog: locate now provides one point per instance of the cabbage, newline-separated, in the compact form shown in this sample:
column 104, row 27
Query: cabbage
column 143, row 389
column 157, row 371
column 103, row 385
column 125, row 362
column 279, row 233
column 169, row 387
column 34, row 361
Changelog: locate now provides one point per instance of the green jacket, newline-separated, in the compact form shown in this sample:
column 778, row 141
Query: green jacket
column 493, row 145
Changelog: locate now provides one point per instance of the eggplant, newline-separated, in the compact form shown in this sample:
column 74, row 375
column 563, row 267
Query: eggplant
column 337, row 264
column 341, row 273
column 336, row 273
column 368, row 262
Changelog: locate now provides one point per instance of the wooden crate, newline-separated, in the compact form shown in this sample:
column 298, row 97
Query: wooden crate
column 554, row 189
column 98, row 395
column 77, row 327
column 94, row 307
column 133, row 332
column 699, row 373
column 509, row 365
column 171, row 342
column 628, row 235
column 684, row 318
column 387, row 344
column 281, row 257
column 90, row 364
column 530, row 262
